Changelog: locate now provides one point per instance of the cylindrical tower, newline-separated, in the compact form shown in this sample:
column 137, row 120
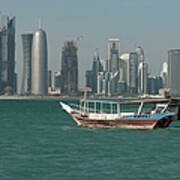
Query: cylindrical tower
column 27, row 56
column 39, row 63
column 173, row 72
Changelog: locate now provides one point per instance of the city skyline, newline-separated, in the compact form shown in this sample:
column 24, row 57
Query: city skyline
column 146, row 24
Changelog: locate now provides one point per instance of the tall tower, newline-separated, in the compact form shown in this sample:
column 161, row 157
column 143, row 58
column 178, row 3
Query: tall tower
column 7, row 56
column 140, row 54
column 124, row 67
column 164, row 74
column 39, row 63
column 69, row 69
column 92, row 75
column 142, row 78
column 142, row 71
column 27, row 56
column 113, row 54
column 173, row 72
column 133, row 72
column 96, row 67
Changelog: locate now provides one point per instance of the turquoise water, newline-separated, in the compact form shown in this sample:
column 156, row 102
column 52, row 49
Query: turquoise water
column 38, row 140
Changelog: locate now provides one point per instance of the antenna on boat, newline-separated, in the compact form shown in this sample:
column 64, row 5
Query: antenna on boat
column 85, row 91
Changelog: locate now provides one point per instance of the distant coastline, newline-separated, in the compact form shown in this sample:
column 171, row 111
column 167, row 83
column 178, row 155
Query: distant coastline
column 27, row 97
column 37, row 97
column 18, row 97
column 58, row 97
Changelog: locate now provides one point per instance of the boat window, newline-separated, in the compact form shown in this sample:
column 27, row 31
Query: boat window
column 114, row 108
column 106, row 108
column 98, row 107
column 91, row 107
column 148, row 107
column 129, row 107
column 82, row 106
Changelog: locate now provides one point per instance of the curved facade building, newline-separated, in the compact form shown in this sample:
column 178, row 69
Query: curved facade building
column 27, row 56
column 174, row 72
column 39, row 64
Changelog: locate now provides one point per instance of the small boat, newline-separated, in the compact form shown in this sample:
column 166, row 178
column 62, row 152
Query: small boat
column 136, row 114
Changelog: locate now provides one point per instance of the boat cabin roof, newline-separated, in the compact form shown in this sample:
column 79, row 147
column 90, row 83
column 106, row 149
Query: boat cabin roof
column 105, row 101
column 172, row 101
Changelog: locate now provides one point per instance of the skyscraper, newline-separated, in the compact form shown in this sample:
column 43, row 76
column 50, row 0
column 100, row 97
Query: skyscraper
column 133, row 72
column 57, row 80
column 27, row 56
column 142, row 71
column 113, row 54
column 69, row 69
column 39, row 63
column 142, row 77
column 91, row 75
column 154, row 84
column 140, row 54
column 89, row 79
column 7, row 56
column 174, row 72
column 49, row 79
column 164, row 74
column 124, row 67
column 103, row 83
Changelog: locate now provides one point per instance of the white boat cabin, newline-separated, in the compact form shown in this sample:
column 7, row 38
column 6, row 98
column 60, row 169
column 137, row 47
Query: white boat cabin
column 112, row 109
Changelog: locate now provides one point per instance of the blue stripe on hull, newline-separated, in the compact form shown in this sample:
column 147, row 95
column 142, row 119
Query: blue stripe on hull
column 148, row 116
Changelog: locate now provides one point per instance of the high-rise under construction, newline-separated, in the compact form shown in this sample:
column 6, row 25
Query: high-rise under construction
column 7, row 56
column 69, row 69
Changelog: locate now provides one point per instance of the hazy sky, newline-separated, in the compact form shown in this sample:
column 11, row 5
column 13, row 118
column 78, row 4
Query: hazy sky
column 153, row 24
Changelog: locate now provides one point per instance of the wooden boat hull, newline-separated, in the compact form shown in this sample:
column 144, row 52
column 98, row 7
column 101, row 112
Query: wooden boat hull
column 128, row 124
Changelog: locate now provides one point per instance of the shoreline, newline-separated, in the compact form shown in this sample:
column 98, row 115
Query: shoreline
column 28, row 97
column 16, row 97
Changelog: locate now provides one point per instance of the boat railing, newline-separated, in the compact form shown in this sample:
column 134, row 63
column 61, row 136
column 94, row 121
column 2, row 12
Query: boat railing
column 82, row 109
column 97, row 107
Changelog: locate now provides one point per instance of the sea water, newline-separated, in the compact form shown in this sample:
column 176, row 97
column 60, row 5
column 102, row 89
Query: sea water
column 38, row 140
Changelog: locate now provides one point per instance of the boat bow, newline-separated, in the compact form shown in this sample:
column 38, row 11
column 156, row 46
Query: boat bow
column 67, row 108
